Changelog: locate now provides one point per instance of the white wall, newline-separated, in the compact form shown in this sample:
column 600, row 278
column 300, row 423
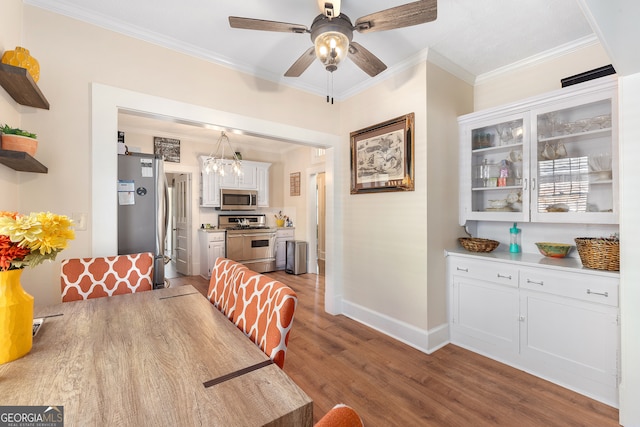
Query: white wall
column 629, row 253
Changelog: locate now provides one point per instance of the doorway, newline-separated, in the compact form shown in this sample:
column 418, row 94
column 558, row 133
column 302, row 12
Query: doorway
column 178, row 243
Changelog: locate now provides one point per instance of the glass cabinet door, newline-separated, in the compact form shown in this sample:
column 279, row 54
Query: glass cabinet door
column 498, row 169
column 573, row 170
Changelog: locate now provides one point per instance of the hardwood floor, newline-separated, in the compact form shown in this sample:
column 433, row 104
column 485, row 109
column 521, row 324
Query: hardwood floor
column 337, row 360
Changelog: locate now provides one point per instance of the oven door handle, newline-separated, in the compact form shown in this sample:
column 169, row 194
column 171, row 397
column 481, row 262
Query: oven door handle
column 269, row 235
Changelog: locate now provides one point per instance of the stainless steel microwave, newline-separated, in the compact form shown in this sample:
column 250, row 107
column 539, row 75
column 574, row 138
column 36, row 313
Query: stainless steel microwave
column 238, row 200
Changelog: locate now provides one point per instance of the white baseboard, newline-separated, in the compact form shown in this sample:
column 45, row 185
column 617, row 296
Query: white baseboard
column 426, row 341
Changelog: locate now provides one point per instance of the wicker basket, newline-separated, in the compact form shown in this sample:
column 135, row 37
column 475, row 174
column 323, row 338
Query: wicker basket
column 476, row 244
column 599, row 253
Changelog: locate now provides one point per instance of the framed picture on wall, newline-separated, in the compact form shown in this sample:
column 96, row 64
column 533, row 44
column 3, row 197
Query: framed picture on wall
column 382, row 157
column 169, row 148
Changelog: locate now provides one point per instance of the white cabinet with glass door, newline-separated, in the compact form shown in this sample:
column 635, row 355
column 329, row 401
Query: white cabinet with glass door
column 548, row 159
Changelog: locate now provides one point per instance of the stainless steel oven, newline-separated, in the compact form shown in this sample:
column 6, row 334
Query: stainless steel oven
column 238, row 200
column 250, row 241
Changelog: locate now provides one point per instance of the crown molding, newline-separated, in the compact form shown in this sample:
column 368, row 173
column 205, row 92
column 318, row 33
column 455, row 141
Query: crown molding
column 545, row 56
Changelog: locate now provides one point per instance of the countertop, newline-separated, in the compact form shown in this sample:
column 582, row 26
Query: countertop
column 532, row 259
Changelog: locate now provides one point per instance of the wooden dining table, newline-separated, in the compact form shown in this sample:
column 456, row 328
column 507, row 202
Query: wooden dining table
column 159, row 358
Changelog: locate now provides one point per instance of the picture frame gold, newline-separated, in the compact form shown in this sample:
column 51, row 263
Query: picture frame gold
column 382, row 156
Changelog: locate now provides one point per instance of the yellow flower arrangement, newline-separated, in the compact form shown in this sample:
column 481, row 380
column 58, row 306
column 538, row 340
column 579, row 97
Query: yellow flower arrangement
column 28, row 240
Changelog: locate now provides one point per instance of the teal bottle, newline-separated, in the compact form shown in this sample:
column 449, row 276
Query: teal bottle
column 514, row 231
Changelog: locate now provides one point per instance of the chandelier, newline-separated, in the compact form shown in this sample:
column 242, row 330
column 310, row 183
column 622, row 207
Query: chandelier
column 216, row 162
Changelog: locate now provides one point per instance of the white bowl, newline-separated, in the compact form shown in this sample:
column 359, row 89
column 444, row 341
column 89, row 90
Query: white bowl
column 497, row 204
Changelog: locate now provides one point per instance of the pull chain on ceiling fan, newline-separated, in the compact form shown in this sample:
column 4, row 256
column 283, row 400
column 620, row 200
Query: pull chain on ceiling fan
column 332, row 33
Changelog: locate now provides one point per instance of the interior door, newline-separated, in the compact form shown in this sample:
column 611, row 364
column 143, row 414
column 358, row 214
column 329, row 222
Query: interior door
column 321, row 189
column 183, row 223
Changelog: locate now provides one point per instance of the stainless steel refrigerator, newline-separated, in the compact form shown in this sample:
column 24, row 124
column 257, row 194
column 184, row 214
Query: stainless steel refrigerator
column 142, row 209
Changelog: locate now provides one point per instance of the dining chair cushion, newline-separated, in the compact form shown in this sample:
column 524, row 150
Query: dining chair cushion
column 84, row 278
column 264, row 312
column 223, row 288
column 340, row 416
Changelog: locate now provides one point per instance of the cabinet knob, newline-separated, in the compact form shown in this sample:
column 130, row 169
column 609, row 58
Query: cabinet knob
column 501, row 276
column 521, row 318
column 541, row 283
column 466, row 270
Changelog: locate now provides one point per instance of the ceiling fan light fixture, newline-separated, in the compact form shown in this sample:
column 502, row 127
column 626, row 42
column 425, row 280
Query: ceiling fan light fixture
column 331, row 48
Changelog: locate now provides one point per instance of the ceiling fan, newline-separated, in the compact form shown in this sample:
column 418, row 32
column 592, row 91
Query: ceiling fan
column 332, row 33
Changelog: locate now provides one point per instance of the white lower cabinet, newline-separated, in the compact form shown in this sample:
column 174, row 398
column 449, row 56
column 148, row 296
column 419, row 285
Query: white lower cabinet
column 212, row 246
column 282, row 235
column 560, row 324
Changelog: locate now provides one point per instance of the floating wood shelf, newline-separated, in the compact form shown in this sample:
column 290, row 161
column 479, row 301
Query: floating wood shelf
column 21, row 161
column 19, row 84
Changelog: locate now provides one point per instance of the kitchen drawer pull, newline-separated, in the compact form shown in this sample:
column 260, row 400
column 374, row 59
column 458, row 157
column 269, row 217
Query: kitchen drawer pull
column 541, row 283
column 604, row 294
column 466, row 270
column 500, row 276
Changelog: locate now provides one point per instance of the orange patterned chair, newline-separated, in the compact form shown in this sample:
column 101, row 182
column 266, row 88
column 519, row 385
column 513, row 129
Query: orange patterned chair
column 84, row 278
column 264, row 311
column 340, row 416
column 223, row 288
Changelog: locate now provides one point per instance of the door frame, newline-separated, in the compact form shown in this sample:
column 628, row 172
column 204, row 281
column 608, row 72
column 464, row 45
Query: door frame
column 312, row 218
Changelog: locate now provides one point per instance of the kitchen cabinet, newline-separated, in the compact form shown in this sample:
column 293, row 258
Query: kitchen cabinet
column 559, row 321
column 212, row 246
column 282, row 235
column 552, row 158
column 254, row 176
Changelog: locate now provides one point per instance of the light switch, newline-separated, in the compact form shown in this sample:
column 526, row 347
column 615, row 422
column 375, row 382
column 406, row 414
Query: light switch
column 79, row 221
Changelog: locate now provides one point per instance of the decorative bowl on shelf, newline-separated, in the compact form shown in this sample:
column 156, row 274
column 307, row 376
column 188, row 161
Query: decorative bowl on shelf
column 498, row 204
column 477, row 244
column 554, row 250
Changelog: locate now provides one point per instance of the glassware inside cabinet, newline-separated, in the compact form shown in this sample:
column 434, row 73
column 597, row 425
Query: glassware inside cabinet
column 574, row 152
column 496, row 161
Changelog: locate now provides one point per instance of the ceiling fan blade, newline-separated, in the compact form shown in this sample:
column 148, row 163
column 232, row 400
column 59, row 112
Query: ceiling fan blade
column 367, row 61
column 302, row 63
column 262, row 25
column 406, row 15
column 329, row 8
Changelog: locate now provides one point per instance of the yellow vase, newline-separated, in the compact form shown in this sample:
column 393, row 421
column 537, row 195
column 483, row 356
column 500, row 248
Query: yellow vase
column 16, row 317
column 20, row 57
column 280, row 222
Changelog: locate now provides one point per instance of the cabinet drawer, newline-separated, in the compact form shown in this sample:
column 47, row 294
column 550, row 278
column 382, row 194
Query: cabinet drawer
column 504, row 274
column 585, row 287
column 216, row 237
column 285, row 234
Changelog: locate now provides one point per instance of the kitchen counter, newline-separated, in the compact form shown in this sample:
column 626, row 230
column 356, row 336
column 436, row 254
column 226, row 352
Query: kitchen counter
column 533, row 259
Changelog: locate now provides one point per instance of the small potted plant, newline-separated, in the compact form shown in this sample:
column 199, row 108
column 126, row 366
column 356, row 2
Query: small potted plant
column 16, row 139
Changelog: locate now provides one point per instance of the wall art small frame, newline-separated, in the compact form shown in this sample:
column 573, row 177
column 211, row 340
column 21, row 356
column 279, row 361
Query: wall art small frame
column 294, row 184
column 382, row 156
column 168, row 148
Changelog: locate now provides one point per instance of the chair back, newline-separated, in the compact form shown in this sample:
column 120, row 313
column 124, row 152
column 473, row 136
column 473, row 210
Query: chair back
column 264, row 311
column 223, row 288
column 340, row 416
column 84, row 278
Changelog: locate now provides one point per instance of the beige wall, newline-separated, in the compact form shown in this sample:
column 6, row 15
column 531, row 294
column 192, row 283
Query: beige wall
column 10, row 37
column 72, row 55
column 519, row 83
column 448, row 97
column 385, row 234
